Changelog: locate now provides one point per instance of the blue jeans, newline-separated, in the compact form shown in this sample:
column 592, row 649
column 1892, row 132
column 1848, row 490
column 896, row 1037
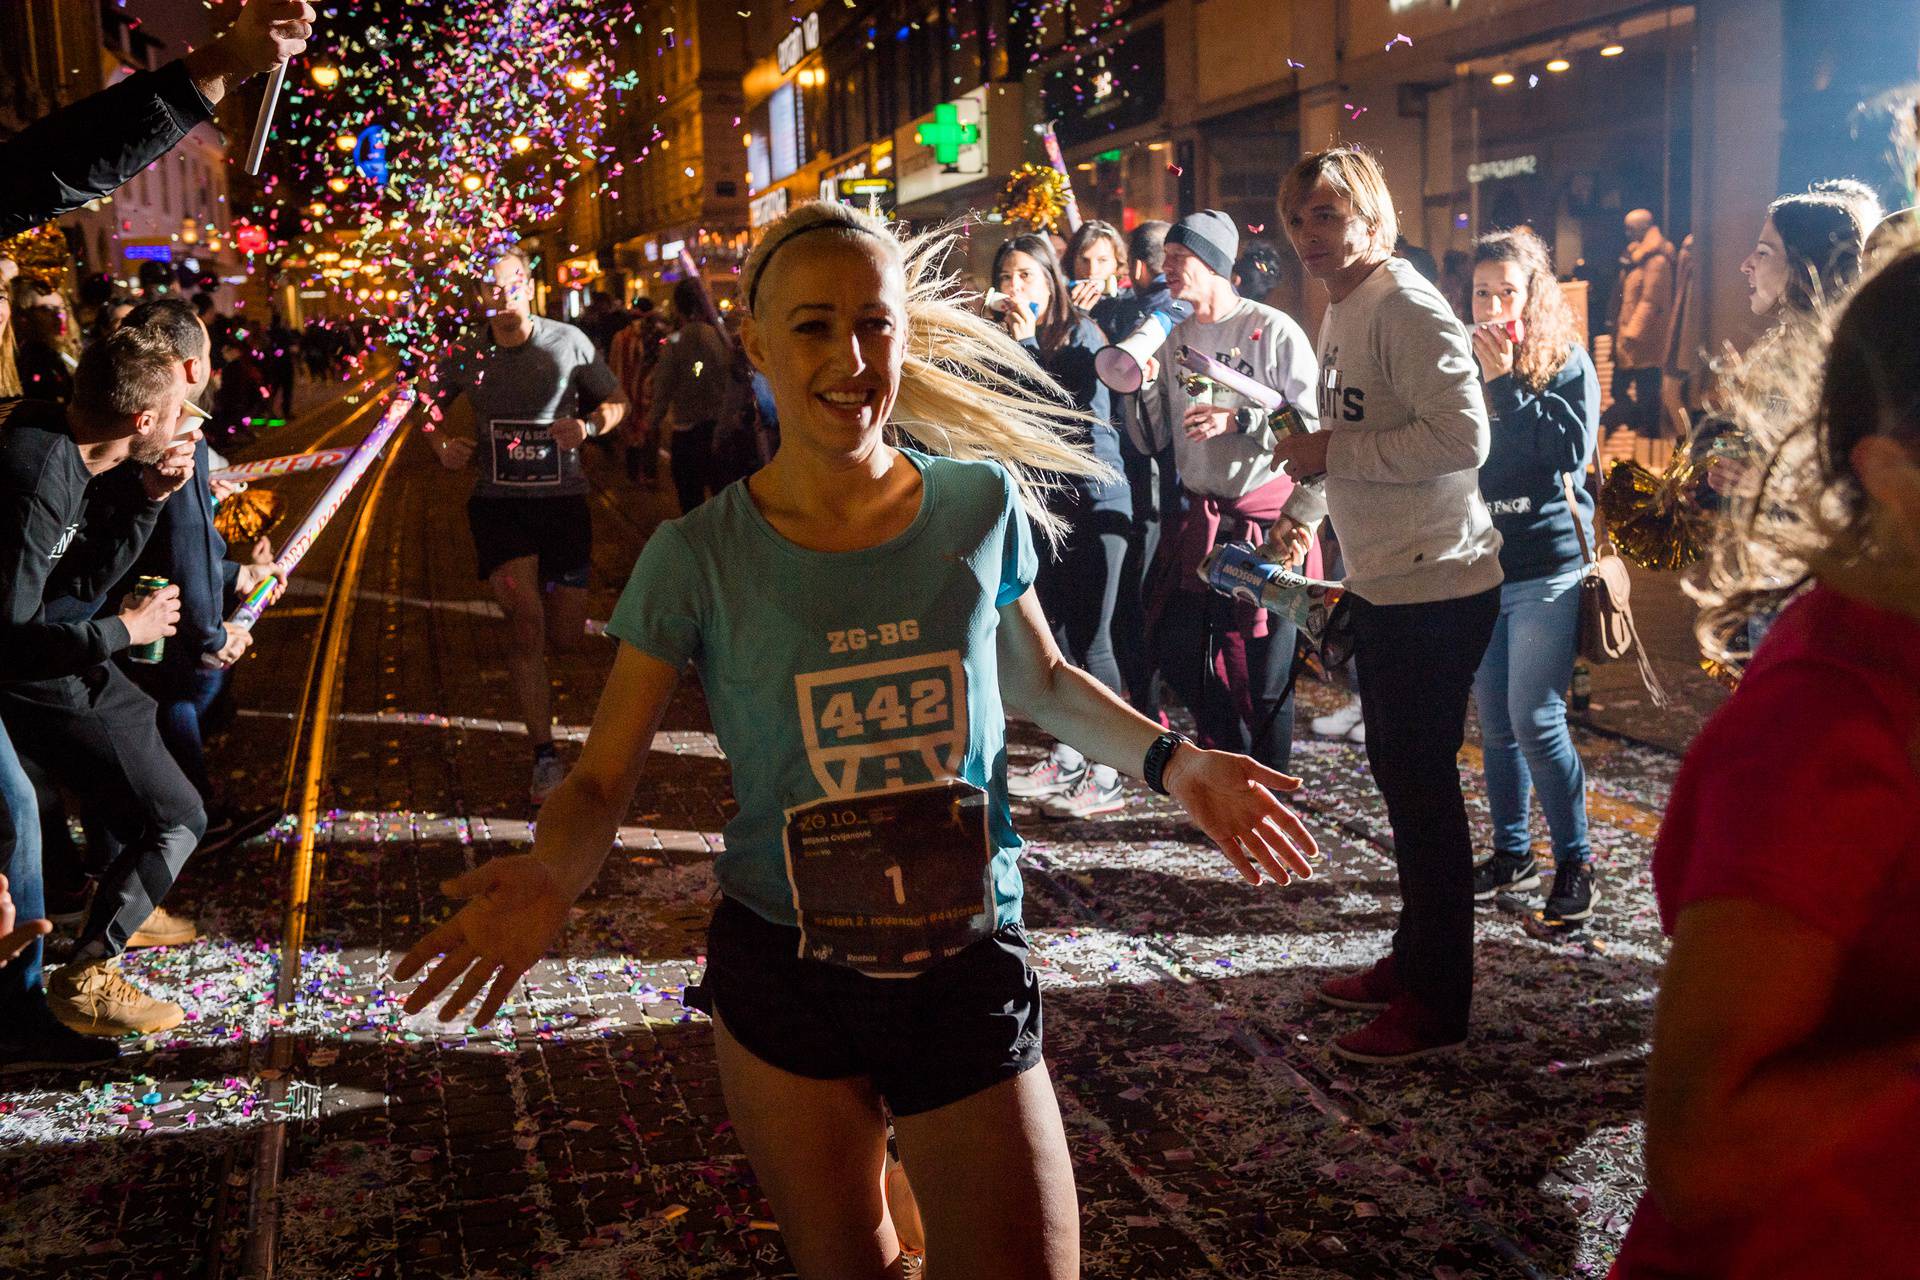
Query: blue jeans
column 1521, row 690
column 20, row 853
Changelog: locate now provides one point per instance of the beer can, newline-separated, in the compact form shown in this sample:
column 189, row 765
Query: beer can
column 143, row 586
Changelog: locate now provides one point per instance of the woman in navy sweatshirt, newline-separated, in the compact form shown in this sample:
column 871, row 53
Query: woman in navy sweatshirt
column 1543, row 399
column 1080, row 583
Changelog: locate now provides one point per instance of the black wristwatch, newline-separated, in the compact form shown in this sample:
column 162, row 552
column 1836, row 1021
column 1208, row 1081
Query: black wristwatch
column 1245, row 419
column 1157, row 756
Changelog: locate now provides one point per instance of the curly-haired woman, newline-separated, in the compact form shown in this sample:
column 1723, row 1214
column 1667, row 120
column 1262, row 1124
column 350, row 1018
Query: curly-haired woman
column 1543, row 398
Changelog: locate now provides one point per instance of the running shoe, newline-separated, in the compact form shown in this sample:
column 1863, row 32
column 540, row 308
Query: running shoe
column 1087, row 797
column 1504, row 873
column 1048, row 778
column 1370, row 990
column 163, row 929
column 97, row 1000
column 548, row 773
column 1574, row 895
column 1403, row 1031
column 1341, row 723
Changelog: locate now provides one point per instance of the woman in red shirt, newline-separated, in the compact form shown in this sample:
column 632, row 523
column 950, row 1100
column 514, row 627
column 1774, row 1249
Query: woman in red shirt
column 1783, row 1095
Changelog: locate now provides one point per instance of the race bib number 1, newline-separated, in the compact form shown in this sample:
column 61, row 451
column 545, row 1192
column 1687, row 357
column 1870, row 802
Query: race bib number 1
column 891, row 882
column 524, row 452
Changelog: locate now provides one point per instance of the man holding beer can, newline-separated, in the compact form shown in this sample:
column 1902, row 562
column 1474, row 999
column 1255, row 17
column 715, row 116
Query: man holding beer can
column 73, row 520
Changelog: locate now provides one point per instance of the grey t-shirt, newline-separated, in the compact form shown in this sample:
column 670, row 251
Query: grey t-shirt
column 517, row 394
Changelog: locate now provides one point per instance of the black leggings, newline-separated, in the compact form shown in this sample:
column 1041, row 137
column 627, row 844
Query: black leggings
column 1185, row 641
column 691, row 461
column 1078, row 585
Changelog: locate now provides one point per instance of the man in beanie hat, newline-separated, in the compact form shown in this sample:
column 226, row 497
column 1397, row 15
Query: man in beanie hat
column 1230, row 663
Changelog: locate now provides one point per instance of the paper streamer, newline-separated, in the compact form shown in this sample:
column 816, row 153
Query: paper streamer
column 1058, row 160
column 296, row 547
column 291, row 464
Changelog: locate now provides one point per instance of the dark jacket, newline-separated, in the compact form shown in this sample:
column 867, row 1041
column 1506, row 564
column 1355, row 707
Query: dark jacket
column 1537, row 438
column 189, row 552
column 1071, row 365
column 89, row 149
column 65, row 536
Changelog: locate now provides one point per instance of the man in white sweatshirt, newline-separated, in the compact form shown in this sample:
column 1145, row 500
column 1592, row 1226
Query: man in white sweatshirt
column 1397, row 469
column 1230, row 663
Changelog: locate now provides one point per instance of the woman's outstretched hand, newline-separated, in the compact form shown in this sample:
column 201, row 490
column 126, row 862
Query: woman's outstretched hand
column 515, row 910
column 1231, row 798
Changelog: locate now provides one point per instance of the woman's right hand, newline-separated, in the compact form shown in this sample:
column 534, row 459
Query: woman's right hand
column 515, row 911
column 1020, row 321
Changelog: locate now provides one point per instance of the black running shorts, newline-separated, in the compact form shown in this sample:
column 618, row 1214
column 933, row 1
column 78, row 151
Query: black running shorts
column 965, row 1025
column 558, row 530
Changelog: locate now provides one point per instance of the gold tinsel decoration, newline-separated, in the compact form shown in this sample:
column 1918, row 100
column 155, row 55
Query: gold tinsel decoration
column 246, row 515
column 1655, row 519
column 43, row 255
column 1035, row 194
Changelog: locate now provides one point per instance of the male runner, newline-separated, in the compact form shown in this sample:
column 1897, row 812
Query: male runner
column 520, row 398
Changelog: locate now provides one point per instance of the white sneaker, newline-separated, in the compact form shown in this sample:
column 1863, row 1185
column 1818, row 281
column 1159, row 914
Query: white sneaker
column 548, row 773
column 1048, row 778
column 1358, row 733
column 1340, row 724
column 1084, row 799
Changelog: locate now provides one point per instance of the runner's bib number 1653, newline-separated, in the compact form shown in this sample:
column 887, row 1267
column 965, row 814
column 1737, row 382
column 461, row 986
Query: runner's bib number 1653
column 524, row 452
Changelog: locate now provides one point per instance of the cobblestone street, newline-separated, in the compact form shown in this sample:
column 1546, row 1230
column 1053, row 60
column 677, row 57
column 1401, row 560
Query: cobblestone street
column 584, row 1135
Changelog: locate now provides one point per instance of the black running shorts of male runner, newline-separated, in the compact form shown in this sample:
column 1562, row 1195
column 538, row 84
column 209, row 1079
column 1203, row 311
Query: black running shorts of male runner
column 965, row 1025
column 558, row 530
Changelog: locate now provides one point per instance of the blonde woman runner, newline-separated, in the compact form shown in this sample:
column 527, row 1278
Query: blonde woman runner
column 857, row 609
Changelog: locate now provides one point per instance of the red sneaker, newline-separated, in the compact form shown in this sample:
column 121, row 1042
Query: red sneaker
column 1404, row 1032
column 1369, row 990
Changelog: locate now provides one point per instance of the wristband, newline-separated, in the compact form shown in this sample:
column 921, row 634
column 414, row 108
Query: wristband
column 1157, row 757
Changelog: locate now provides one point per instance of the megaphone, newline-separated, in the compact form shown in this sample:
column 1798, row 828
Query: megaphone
column 1123, row 366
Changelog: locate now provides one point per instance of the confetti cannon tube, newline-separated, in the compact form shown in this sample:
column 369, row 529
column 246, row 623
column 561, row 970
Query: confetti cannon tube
column 290, row 464
column 1286, row 418
column 263, row 123
column 1058, row 160
column 324, row 510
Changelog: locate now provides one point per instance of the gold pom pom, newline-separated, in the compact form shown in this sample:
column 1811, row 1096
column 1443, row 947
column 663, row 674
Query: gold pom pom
column 246, row 515
column 1035, row 194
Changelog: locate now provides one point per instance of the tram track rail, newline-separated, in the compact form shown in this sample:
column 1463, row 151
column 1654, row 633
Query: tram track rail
column 308, row 763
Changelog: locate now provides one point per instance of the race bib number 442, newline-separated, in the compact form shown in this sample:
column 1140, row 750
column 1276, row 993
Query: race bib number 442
column 524, row 452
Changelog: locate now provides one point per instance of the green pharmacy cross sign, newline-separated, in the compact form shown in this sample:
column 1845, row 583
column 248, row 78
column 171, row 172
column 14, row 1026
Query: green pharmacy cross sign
column 946, row 135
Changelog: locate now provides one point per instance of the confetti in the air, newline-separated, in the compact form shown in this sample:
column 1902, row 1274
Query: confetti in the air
column 1402, row 38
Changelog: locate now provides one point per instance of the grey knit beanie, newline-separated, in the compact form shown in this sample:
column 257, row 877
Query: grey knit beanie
column 1210, row 236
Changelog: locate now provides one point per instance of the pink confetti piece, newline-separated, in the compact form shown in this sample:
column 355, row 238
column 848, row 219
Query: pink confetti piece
column 1402, row 38
column 1175, row 170
column 1255, row 228
column 1357, row 111
column 1297, row 66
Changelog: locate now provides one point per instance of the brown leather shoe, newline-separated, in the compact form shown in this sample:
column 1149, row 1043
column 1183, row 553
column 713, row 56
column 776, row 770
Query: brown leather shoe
column 97, row 1000
column 163, row 929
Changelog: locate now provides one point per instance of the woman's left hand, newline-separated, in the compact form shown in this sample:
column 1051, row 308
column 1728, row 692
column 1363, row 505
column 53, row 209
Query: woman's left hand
column 1494, row 350
column 1231, row 798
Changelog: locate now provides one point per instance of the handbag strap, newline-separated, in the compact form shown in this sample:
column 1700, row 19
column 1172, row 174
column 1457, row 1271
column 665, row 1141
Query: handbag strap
column 1573, row 509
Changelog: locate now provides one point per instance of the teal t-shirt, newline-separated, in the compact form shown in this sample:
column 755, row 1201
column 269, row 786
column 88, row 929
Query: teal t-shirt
column 836, row 673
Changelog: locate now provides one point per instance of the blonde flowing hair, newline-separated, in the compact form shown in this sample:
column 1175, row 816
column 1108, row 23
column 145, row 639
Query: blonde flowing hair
column 1803, row 516
column 967, row 390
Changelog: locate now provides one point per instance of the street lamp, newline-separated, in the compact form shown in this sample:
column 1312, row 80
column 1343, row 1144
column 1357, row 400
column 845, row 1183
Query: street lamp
column 579, row 78
column 324, row 75
column 344, row 141
column 520, row 142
